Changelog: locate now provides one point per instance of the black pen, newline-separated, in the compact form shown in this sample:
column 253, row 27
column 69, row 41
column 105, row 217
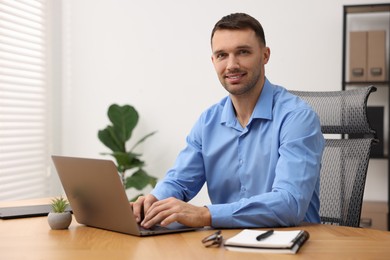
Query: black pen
column 265, row 235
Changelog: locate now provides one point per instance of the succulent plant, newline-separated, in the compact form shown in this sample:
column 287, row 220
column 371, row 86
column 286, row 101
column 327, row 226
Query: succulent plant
column 59, row 205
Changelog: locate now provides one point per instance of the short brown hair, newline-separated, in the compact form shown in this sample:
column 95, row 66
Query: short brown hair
column 239, row 21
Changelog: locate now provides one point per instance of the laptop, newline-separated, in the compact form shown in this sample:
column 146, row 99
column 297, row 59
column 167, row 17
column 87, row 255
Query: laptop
column 26, row 211
column 97, row 197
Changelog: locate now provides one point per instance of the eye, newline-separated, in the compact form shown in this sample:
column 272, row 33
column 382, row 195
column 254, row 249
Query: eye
column 243, row 52
column 221, row 56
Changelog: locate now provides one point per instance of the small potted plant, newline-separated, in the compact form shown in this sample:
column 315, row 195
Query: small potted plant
column 59, row 218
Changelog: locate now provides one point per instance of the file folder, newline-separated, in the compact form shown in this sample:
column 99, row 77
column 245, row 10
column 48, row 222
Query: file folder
column 358, row 56
column 376, row 68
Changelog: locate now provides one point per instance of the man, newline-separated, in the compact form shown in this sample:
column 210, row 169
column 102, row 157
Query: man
column 259, row 149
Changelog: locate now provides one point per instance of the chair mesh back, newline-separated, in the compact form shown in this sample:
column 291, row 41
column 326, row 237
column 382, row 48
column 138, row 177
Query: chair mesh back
column 345, row 161
column 343, row 176
column 340, row 112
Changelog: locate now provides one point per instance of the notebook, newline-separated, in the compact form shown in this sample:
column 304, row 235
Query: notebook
column 281, row 241
column 97, row 197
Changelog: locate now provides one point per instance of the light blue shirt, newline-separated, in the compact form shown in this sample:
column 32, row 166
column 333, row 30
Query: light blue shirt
column 264, row 175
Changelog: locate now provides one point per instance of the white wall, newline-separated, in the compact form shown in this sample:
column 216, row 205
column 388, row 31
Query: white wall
column 155, row 55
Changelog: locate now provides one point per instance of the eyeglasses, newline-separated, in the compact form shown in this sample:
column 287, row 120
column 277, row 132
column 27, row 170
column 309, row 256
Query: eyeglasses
column 213, row 240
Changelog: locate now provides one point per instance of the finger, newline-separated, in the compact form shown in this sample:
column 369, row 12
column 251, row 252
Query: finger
column 174, row 217
column 149, row 201
column 184, row 213
column 138, row 208
column 157, row 212
column 151, row 217
column 145, row 203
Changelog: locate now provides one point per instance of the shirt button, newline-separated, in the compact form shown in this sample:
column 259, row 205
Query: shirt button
column 241, row 161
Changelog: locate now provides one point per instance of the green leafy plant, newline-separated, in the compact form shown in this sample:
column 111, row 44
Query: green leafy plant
column 124, row 119
column 59, row 205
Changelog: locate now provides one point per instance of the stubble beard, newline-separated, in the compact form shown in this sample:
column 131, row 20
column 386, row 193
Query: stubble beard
column 245, row 89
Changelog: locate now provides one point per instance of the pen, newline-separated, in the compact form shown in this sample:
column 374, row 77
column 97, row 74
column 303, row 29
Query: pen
column 265, row 235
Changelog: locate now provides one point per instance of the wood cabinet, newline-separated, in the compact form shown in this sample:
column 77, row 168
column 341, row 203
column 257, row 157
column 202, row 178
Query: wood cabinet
column 365, row 61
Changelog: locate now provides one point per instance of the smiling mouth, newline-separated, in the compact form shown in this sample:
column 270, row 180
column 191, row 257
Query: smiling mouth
column 235, row 77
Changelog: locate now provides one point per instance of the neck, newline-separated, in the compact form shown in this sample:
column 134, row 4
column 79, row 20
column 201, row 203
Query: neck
column 244, row 110
column 244, row 106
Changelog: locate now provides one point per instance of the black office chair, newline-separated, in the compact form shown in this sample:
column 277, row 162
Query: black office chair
column 345, row 160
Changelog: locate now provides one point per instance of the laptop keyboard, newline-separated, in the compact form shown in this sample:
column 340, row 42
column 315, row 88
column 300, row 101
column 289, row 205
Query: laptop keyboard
column 154, row 228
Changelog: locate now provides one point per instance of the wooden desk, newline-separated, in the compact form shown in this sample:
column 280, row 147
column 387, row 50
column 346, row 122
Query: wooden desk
column 32, row 238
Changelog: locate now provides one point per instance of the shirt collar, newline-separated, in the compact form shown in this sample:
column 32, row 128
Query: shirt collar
column 263, row 107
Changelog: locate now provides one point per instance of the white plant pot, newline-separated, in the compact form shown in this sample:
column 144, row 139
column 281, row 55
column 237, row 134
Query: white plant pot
column 59, row 220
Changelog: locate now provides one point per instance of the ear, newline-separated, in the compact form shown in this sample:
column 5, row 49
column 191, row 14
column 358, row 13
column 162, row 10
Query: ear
column 266, row 55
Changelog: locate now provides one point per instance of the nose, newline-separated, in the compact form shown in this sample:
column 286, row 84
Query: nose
column 232, row 63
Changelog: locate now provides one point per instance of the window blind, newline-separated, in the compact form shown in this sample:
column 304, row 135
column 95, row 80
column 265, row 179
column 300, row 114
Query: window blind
column 24, row 120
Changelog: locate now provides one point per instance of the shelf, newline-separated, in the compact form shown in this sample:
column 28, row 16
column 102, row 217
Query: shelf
column 385, row 157
column 373, row 8
column 368, row 83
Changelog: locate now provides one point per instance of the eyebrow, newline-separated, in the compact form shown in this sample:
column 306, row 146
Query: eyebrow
column 240, row 47
column 218, row 52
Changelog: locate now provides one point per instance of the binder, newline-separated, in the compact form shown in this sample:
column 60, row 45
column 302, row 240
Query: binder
column 358, row 56
column 376, row 68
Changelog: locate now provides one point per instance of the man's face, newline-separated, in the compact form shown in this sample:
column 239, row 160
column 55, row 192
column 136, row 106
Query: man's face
column 239, row 60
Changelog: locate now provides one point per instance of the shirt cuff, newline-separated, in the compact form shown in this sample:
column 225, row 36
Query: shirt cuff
column 221, row 215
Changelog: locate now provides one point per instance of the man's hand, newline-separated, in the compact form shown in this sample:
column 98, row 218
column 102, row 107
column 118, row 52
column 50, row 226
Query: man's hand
column 142, row 205
column 166, row 211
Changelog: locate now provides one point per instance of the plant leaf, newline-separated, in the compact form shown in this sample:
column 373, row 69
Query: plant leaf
column 126, row 161
column 109, row 138
column 142, row 140
column 124, row 119
column 140, row 179
column 59, row 205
